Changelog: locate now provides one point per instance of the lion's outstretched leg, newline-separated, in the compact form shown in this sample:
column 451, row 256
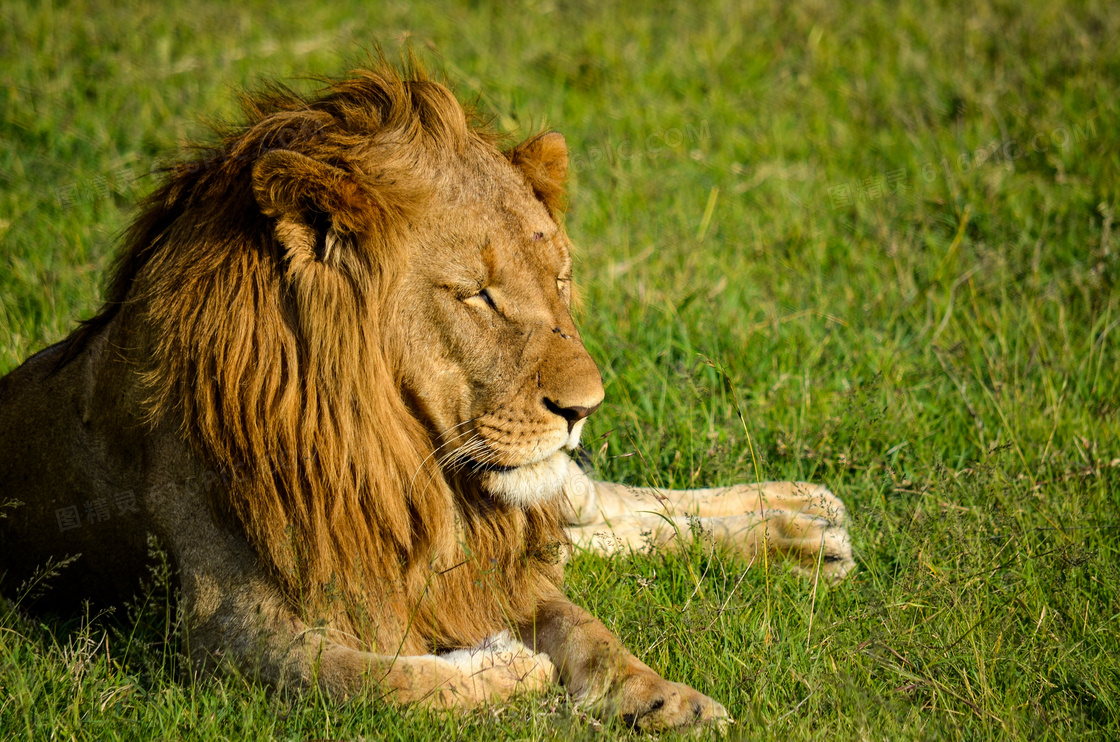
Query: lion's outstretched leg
column 803, row 522
column 604, row 676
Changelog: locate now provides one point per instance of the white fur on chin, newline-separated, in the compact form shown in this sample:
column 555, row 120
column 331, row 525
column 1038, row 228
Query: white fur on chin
column 529, row 484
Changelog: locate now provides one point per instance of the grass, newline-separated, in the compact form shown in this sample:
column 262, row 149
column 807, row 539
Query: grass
column 887, row 232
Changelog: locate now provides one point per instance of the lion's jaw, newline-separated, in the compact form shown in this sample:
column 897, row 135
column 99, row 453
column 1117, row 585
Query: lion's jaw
column 526, row 485
column 536, row 482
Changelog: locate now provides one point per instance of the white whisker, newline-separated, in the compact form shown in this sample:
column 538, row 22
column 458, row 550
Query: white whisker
column 435, row 451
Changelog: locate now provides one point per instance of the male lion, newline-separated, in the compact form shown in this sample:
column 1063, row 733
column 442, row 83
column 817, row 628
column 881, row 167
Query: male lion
column 336, row 377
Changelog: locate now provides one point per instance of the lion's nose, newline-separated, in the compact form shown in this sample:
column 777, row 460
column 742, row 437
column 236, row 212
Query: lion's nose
column 572, row 413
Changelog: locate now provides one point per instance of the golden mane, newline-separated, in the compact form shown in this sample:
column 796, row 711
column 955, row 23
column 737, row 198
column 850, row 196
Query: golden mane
column 278, row 370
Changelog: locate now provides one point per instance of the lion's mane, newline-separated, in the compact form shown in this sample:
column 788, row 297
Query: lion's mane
column 281, row 373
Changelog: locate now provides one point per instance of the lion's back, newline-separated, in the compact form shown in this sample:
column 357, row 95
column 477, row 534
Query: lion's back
column 59, row 502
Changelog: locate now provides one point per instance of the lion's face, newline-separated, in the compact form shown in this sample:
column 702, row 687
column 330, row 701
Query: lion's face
column 491, row 360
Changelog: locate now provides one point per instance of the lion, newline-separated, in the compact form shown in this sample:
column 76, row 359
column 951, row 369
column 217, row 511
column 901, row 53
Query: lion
column 337, row 378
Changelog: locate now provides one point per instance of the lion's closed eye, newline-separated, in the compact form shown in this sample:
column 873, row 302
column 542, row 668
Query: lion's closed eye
column 482, row 300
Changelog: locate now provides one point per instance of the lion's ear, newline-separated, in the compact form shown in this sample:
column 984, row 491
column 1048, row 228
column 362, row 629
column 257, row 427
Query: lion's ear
column 543, row 160
column 315, row 203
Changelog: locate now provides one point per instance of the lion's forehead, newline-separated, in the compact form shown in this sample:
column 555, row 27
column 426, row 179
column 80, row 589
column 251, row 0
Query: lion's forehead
column 484, row 227
column 482, row 181
column 489, row 238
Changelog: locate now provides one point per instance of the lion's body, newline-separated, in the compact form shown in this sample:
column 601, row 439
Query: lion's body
column 335, row 376
column 58, row 457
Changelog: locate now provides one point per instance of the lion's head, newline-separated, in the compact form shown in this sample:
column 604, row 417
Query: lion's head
column 357, row 306
column 477, row 320
column 489, row 357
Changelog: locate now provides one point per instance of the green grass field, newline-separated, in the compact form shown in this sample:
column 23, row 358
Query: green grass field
column 886, row 232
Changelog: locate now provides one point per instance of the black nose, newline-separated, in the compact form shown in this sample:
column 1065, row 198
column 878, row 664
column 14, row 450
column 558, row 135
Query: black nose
column 573, row 414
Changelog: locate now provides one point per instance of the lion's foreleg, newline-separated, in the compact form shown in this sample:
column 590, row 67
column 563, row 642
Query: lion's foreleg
column 254, row 634
column 462, row 679
column 238, row 622
column 796, row 520
column 602, row 674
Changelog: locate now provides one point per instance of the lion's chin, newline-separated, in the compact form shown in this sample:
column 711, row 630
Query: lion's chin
column 530, row 484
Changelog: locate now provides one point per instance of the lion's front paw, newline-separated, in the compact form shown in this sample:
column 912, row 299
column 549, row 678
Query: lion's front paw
column 813, row 530
column 803, row 522
column 651, row 703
